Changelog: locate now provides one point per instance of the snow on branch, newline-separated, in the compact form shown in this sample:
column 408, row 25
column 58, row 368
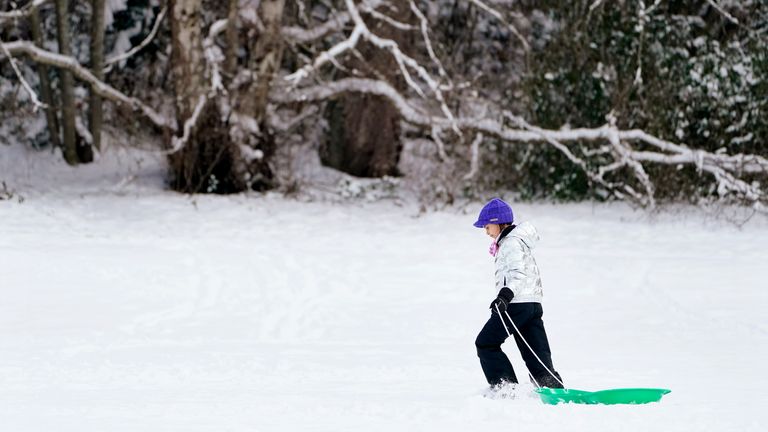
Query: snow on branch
column 616, row 144
column 596, row 4
column 474, row 159
column 101, row 88
column 110, row 61
column 724, row 168
column 722, row 11
column 333, row 89
column 214, row 56
column 301, row 35
column 496, row 14
column 177, row 143
column 32, row 95
column 427, row 41
column 750, row 164
column 596, row 177
column 404, row 61
column 391, row 21
column 22, row 12
column 327, row 56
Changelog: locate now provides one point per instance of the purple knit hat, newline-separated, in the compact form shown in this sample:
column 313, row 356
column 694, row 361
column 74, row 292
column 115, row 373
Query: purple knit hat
column 495, row 211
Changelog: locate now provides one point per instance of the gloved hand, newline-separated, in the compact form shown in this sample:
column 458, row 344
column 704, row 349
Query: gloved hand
column 502, row 300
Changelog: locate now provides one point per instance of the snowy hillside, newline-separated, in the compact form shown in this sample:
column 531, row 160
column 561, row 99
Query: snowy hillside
column 126, row 308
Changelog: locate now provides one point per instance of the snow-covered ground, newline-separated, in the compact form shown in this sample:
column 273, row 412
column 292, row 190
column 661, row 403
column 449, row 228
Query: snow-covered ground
column 127, row 308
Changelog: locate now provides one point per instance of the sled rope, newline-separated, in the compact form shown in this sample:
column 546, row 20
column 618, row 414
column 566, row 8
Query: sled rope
column 526, row 344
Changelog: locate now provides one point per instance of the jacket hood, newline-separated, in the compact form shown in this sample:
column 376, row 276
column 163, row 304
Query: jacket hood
column 527, row 233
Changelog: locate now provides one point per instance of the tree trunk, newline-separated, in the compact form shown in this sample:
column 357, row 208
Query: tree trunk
column 46, row 94
column 97, row 67
column 266, row 53
column 67, row 86
column 230, row 66
column 208, row 161
column 364, row 138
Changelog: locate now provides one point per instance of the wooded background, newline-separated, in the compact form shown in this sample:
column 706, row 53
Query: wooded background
column 650, row 102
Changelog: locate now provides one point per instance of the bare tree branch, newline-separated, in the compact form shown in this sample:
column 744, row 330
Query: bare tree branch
column 750, row 164
column 22, row 12
column 427, row 41
column 496, row 14
column 596, row 4
column 597, row 177
column 32, row 95
column 327, row 55
column 103, row 89
column 403, row 60
column 603, row 154
column 177, row 143
column 382, row 17
column 301, row 35
column 475, row 157
column 723, row 12
column 214, row 56
column 110, row 61
column 726, row 169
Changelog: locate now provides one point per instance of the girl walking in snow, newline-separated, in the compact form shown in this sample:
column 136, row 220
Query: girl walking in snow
column 519, row 298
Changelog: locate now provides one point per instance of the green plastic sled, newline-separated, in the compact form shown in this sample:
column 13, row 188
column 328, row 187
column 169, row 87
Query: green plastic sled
column 555, row 396
column 605, row 397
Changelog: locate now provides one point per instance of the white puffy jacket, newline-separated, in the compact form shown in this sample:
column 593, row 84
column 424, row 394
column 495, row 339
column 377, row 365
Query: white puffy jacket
column 515, row 266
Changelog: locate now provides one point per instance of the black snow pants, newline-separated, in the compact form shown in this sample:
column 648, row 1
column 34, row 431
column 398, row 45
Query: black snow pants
column 496, row 365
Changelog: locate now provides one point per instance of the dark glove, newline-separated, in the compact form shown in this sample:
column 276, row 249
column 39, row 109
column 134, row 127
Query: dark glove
column 502, row 300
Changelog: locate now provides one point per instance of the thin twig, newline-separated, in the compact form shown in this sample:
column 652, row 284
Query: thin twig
column 101, row 88
column 723, row 12
column 32, row 95
column 110, row 61
column 496, row 14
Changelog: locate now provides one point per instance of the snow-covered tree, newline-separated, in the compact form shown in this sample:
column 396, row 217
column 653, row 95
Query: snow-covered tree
column 591, row 94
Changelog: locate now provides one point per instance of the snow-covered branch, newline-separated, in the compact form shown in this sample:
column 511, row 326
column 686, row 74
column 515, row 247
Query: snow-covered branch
column 405, row 62
column 361, row 31
column 337, row 22
column 177, row 143
column 391, row 21
column 723, row 12
column 427, row 41
column 474, row 159
column 214, row 56
column 32, row 95
column 301, row 35
column 596, row 177
column 108, row 63
column 496, row 14
column 21, row 12
column 596, row 4
column 726, row 169
column 83, row 130
column 327, row 56
column 101, row 88
column 277, row 124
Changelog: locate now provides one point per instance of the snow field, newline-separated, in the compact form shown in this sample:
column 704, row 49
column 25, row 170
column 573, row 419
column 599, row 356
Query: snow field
column 127, row 309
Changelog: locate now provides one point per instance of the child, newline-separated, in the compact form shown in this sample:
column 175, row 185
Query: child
column 519, row 298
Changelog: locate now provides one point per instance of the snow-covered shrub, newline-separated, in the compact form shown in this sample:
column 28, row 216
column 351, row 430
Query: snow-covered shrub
column 682, row 72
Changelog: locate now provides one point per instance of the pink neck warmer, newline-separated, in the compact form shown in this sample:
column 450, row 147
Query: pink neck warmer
column 494, row 249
